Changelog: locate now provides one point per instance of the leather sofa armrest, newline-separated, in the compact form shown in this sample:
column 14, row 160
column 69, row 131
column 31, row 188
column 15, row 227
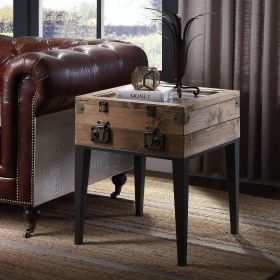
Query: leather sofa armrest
column 59, row 75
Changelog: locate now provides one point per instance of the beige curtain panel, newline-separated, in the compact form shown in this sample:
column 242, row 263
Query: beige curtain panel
column 240, row 49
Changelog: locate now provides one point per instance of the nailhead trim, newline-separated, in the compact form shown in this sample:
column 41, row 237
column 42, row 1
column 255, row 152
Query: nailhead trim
column 32, row 148
column 18, row 129
column 15, row 201
column 32, row 152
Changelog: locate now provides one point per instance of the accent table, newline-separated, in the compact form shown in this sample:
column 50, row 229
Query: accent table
column 169, row 130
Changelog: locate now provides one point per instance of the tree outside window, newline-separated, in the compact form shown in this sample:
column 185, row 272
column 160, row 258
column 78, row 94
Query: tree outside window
column 6, row 17
column 69, row 19
column 129, row 21
column 123, row 20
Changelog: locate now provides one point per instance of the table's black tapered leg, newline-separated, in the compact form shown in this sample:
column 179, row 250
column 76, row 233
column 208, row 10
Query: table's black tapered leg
column 139, row 177
column 82, row 161
column 232, row 163
column 181, row 191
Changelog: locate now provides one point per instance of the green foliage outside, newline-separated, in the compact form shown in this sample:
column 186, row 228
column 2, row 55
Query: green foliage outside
column 6, row 14
column 6, row 20
column 7, row 34
column 77, row 23
column 88, row 12
column 152, row 44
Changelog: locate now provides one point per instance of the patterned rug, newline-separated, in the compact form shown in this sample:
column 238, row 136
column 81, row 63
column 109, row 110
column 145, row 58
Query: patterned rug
column 119, row 245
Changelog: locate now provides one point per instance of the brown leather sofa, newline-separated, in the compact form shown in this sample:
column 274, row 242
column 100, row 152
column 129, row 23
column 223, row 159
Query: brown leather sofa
column 39, row 80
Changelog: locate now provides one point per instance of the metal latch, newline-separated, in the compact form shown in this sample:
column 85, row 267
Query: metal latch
column 103, row 107
column 153, row 139
column 101, row 133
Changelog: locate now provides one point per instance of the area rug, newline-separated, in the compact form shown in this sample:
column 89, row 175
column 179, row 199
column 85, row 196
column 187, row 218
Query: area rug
column 119, row 245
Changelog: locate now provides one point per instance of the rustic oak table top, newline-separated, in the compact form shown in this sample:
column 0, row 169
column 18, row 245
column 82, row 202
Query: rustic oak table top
column 189, row 126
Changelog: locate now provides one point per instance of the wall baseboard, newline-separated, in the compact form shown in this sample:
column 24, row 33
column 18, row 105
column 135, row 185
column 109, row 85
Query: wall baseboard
column 163, row 169
column 255, row 188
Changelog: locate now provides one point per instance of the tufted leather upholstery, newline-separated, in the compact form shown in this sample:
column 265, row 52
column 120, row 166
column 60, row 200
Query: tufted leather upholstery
column 39, row 77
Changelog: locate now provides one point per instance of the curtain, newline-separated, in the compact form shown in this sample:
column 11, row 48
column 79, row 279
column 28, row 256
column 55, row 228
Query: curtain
column 240, row 49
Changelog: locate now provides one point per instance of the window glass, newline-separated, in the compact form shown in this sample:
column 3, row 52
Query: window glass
column 129, row 20
column 6, row 17
column 69, row 18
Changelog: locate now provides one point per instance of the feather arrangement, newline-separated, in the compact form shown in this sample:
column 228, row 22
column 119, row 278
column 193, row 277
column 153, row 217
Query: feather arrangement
column 181, row 44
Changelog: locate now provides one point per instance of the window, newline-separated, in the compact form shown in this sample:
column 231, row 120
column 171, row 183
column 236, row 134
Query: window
column 69, row 18
column 78, row 19
column 87, row 19
column 129, row 21
column 6, row 17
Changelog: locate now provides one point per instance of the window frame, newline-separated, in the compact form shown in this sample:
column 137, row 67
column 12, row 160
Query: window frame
column 26, row 17
column 27, row 21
